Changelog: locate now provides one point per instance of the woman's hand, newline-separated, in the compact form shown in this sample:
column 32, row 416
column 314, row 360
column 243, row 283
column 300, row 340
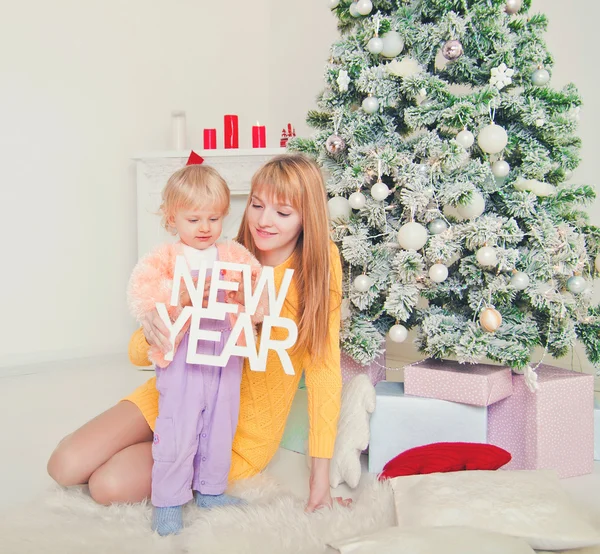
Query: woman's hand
column 238, row 296
column 320, row 490
column 155, row 331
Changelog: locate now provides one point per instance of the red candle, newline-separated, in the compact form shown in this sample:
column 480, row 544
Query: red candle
column 210, row 139
column 231, row 131
column 259, row 136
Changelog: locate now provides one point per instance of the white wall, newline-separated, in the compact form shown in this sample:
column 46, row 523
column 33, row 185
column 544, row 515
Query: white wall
column 86, row 85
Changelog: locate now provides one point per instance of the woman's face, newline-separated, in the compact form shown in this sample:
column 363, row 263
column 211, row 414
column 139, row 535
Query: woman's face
column 275, row 227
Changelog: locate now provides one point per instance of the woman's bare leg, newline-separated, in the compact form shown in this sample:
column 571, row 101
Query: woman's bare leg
column 81, row 453
column 126, row 477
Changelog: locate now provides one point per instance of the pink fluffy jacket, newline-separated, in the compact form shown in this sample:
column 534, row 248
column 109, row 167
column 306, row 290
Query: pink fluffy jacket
column 152, row 281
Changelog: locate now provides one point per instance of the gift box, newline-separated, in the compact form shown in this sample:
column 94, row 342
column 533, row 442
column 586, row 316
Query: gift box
column 596, row 430
column 375, row 370
column 475, row 384
column 401, row 422
column 295, row 434
column 551, row 428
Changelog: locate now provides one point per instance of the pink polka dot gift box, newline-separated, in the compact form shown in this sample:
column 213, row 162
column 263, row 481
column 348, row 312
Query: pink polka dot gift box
column 550, row 428
column 473, row 384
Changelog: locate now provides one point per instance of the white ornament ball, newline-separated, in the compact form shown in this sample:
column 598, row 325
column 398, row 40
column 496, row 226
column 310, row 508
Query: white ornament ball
column 438, row 273
column 490, row 319
column 339, row 208
column 333, row 4
column 412, row 236
column 379, row 191
column 363, row 283
column 597, row 263
column 576, row 284
column 540, row 77
column 474, row 208
column 357, row 200
column 437, row 226
column 500, row 169
column 398, row 333
column 393, row 44
column 370, row 104
column 364, row 7
column 375, row 45
column 487, row 256
column 492, row 138
column 519, row 280
column 465, row 138
column 513, row 6
column 354, row 10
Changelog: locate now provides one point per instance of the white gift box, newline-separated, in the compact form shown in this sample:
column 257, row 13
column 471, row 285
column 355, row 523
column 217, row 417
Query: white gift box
column 402, row 422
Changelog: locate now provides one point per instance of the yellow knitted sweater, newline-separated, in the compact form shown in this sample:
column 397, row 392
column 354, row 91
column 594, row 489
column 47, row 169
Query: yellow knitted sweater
column 266, row 397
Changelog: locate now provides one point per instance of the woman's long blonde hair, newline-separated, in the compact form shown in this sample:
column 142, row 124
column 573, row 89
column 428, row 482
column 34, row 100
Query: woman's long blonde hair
column 297, row 180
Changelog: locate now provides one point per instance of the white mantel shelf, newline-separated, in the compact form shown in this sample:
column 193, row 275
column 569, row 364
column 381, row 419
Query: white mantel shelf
column 207, row 154
column 154, row 168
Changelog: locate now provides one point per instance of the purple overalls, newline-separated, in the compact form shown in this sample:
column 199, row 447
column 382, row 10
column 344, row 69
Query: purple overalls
column 198, row 409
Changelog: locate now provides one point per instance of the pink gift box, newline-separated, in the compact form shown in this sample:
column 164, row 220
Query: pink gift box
column 552, row 428
column 375, row 370
column 474, row 384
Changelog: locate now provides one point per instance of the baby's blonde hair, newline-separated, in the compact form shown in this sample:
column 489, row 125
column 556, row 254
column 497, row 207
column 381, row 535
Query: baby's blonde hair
column 193, row 187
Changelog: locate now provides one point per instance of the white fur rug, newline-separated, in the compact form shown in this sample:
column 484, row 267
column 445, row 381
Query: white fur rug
column 69, row 522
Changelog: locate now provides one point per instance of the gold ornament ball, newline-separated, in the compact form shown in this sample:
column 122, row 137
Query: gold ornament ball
column 490, row 319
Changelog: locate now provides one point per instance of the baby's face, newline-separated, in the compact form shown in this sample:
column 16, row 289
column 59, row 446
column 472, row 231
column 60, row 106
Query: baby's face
column 199, row 228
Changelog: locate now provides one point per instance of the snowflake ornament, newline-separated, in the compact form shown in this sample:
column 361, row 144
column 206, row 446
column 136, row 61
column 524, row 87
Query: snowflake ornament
column 501, row 76
column 343, row 80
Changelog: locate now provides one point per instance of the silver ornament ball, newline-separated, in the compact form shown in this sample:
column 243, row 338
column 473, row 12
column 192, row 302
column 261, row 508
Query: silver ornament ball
column 500, row 169
column 412, row 236
column 333, row 4
column 357, row 200
column 474, row 208
column 519, row 280
column 576, row 284
column 363, row 283
column 398, row 333
column 452, row 50
column 540, row 77
column 364, row 7
column 487, row 256
column 375, row 45
column 335, row 144
column 438, row 273
column 370, row 104
column 513, row 6
column 465, row 138
column 492, row 138
column 437, row 226
column 379, row 191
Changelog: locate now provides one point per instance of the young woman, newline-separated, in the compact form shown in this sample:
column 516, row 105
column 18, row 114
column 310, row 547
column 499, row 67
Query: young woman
column 285, row 225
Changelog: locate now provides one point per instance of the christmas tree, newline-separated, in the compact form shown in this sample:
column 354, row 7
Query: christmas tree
column 448, row 157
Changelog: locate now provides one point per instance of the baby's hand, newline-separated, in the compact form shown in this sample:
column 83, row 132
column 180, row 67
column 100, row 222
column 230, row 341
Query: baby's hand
column 238, row 296
column 184, row 296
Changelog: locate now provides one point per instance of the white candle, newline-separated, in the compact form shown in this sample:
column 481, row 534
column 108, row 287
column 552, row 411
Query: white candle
column 178, row 130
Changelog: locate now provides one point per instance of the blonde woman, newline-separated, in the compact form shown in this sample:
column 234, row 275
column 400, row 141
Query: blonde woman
column 285, row 225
